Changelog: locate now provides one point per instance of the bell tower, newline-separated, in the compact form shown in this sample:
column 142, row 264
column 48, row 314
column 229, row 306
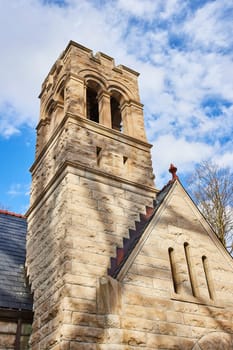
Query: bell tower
column 91, row 179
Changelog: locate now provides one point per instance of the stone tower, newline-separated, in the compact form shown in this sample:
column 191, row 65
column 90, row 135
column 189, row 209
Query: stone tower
column 91, row 179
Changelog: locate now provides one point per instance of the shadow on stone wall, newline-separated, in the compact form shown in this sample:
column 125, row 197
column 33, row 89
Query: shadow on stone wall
column 89, row 316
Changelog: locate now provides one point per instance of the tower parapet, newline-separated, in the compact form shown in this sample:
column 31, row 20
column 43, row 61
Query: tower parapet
column 91, row 116
column 92, row 87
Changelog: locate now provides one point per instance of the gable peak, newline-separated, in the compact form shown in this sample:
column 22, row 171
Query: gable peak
column 173, row 170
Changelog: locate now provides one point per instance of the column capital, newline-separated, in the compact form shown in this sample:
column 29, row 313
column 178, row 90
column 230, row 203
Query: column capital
column 102, row 94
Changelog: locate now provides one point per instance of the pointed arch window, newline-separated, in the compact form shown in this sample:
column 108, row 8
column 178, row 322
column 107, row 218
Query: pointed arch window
column 173, row 269
column 190, row 269
column 208, row 277
column 92, row 105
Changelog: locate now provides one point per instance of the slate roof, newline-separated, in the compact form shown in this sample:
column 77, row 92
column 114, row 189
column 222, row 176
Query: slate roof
column 14, row 293
column 122, row 253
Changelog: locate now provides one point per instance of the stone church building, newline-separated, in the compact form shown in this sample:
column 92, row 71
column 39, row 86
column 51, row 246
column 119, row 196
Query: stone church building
column 112, row 263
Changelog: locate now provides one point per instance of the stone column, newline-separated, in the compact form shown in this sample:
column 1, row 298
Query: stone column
column 74, row 99
column 104, row 109
column 133, row 121
column 127, row 119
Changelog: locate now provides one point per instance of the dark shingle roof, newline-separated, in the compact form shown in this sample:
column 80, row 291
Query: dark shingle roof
column 14, row 292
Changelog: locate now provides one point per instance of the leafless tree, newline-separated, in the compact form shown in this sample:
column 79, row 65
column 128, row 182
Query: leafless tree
column 212, row 190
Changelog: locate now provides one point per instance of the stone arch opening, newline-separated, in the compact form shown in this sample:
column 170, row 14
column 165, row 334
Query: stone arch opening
column 92, row 105
column 60, row 90
column 50, row 108
column 116, row 118
column 92, row 102
column 61, row 94
column 116, row 115
column 173, row 269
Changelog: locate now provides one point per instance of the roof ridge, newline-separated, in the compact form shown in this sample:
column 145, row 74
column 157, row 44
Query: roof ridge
column 6, row 212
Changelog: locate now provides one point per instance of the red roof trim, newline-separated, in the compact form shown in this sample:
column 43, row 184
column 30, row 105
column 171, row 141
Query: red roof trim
column 6, row 212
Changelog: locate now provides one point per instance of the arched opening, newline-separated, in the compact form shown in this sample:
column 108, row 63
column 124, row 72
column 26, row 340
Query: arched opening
column 207, row 277
column 116, row 114
column 92, row 105
column 173, row 269
column 190, row 269
column 61, row 96
column 50, row 108
column 60, row 93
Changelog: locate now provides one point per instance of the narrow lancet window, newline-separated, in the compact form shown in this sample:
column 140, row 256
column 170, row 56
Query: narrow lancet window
column 173, row 269
column 116, row 115
column 92, row 105
column 190, row 269
column 207, row 277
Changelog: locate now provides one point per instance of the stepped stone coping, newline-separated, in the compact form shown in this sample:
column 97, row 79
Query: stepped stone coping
column 122, row 254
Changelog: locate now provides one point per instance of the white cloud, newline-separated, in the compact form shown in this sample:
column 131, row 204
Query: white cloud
column 182, row 53
column 142, row 9
column 7, row 130
column 211, row 25
column 18, row 189
column 184, row 154
column 172, row 7
column 35, row 35
column 225, row 160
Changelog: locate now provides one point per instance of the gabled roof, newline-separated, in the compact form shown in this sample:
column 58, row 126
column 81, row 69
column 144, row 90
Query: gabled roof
column 125, row 255
column 129, row 244
column 14, row 292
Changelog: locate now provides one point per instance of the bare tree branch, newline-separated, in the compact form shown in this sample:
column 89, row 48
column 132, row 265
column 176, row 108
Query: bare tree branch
column 212, row 190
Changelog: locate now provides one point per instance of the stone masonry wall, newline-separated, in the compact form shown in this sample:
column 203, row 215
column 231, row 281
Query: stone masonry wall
column 153, row 316
column 64, row 91
column 89, row 185
column 71, row 236
column 99, row 149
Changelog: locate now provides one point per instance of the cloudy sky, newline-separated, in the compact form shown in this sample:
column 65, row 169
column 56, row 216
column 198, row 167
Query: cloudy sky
column 182, row 48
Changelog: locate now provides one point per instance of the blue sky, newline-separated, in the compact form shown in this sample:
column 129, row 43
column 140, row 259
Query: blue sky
column 182, row 48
